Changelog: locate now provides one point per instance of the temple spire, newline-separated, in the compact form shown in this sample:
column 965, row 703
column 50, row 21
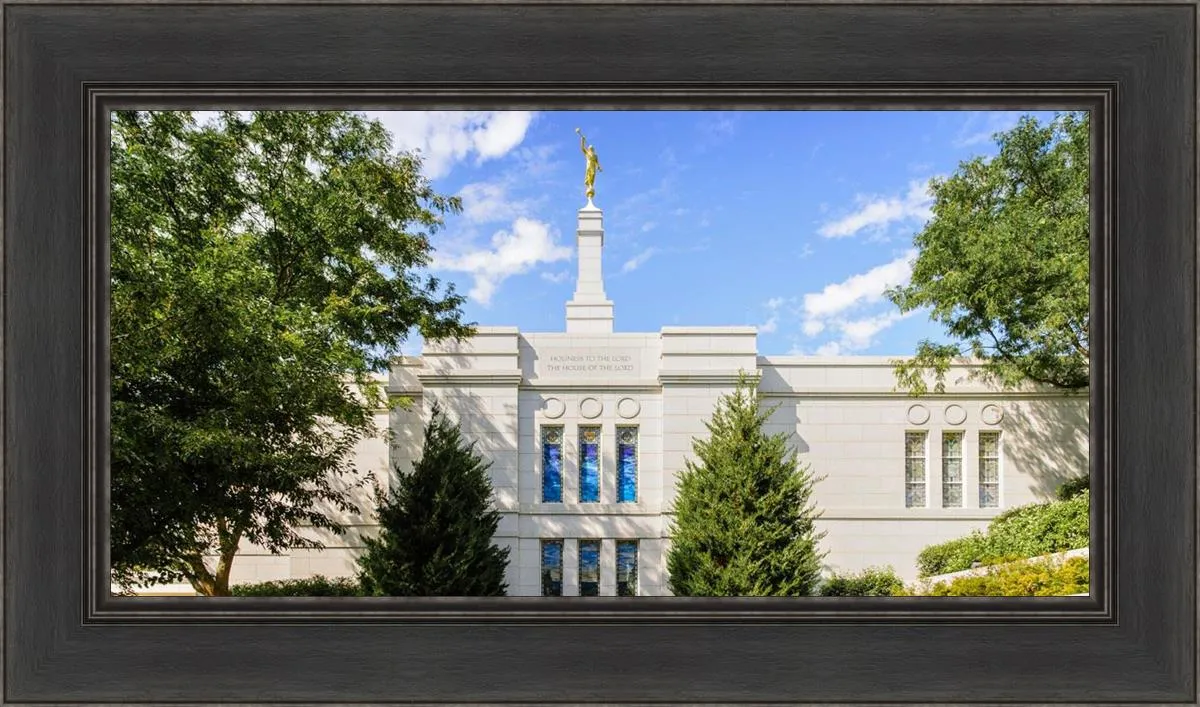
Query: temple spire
column 590, row 311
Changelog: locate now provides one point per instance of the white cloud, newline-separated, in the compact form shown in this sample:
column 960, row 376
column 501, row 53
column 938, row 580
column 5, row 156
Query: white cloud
column 489, row 202
column 448, row 137
column 858, row 334
column 849, row 311
column 556, row 277
column 536, row 161
column 638, row 260
column 864, row 288
column 648, row 226
column 812, row 327
column 512, row 252
column 852, row 335
column 876, row 213
column 770, row 326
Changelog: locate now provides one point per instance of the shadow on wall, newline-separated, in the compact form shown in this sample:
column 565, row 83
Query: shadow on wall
column 494, row 432
column 1048, row 441
column 401, row 448
column 785, row 417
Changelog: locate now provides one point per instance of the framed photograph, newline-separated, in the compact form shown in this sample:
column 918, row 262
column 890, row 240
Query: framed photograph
column 599, row 352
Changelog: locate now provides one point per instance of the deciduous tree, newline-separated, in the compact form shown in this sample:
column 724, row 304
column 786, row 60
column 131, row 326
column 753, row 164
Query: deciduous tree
column 1003, row 262
column 264, row 266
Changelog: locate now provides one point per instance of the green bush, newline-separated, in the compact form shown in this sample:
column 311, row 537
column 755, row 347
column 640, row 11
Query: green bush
column 1042, row 578
column 952, row 553
column 871, row 582
column 1024, row 531
column 1073, row 487
column 317, row 586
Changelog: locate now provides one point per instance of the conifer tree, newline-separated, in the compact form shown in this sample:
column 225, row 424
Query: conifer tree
column 437, row 525
column 744, row 521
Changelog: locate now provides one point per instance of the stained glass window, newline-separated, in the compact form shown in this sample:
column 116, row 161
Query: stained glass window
column 627, row 568
column 952, row 462
column 914, row 469
column 989, row 469
column 627, row 440
column 552, row 464
column 552, row 568
column 589, row 464
column 589, row 568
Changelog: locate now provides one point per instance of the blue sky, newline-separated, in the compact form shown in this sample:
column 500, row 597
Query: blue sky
column 791, row 221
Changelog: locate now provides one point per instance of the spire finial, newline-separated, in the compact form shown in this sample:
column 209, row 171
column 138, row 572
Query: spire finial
column 593, row 166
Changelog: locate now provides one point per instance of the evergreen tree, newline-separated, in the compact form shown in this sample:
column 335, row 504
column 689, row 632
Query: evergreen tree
column 437, row 525
column 744, row 523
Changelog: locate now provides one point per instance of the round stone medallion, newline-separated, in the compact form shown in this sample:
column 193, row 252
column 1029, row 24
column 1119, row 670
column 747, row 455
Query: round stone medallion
column 991, row 414
column 955, row 414
column 918, row 414
column 554, row 408
column 590, row 408
column 628, row 407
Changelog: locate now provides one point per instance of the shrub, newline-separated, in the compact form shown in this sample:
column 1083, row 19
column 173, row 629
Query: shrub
column 317, row 586
column 1073, row 487
column 1042, row 578
column 1024, row 531
column 871, row 582
column 959, row 553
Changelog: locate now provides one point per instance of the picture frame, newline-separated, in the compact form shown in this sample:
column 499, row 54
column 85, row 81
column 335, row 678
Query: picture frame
column 1133, row 640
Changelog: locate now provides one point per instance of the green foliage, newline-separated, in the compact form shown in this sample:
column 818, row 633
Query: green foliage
column 958, row 554
column 263, row 267
column 1043, row 578
column 1003, row 262
column 1073, row 487
column 871, row 582
column 744, row 524
column 1025, row 531
column 317, row 586
column 437, row 525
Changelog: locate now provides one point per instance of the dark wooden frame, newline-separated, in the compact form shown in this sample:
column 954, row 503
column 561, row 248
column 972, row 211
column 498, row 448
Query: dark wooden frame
column 1134, row 66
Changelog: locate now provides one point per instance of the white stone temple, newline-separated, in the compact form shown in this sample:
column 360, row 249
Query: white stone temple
column 587, row 428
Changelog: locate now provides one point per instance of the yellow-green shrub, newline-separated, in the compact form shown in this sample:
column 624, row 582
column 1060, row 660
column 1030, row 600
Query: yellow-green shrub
column 1037, row 578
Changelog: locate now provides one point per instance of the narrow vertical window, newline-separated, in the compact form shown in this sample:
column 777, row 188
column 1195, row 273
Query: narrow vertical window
column 627, row 568
column 989, row 469
column 589, row 464
column 552, row 568
column 589, row 568
column 627, row 460
column 552, row 465
column 952, row 463
column 914, row 469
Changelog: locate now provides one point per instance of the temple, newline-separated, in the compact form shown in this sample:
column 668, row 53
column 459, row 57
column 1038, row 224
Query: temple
column 587, row 428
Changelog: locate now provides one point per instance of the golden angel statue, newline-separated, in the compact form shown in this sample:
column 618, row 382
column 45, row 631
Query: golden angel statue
column 593, row 165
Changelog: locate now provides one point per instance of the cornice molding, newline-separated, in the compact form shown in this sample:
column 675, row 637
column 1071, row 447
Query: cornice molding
column 472, row 377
